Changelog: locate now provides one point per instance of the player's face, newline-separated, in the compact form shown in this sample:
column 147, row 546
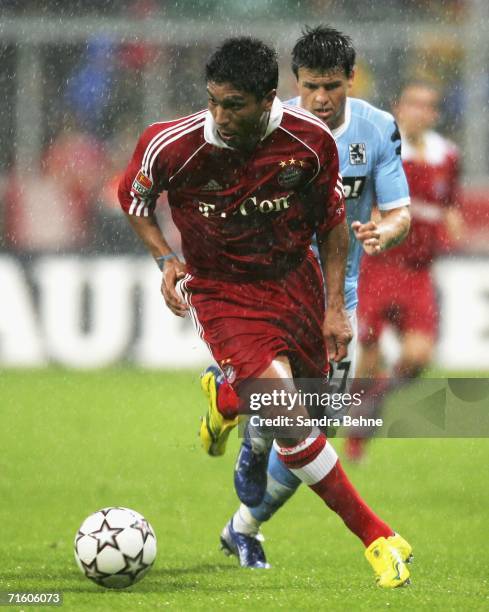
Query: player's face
column 324, row 94
column 417, row 110
column 240, row 118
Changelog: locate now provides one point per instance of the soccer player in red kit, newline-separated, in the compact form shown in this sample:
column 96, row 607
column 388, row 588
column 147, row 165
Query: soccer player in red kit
column 398, row 289
column 249, row 182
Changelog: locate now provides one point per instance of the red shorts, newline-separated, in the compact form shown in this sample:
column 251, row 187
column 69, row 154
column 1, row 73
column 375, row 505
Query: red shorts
column 402, row 297
column 246, row 325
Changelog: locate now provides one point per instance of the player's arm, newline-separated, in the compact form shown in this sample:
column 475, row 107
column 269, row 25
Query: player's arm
column 455, row 225
column 148, row 229
column 137, row 195
column 390, row 230
column 454, row 221
column 392, row 194
column 333, row 251
column 332, row 237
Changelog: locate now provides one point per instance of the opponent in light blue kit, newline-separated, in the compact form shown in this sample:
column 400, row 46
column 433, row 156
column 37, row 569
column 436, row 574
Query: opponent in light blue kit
column 368, row 144
column 369, row 149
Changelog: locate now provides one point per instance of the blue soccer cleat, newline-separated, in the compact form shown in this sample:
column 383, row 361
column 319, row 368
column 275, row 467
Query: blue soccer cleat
column 250, row 475
column 247, row 548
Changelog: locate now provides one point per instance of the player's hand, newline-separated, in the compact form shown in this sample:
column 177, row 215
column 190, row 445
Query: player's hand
column 337, row 332
column 369, row 235
column 173, row 271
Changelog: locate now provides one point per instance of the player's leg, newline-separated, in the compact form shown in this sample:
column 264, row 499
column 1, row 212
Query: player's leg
column 246, row 521
column 240, row 536
column 265, row 495
column 415, row 317
column 376, row 293
column 314, row 461
column 369, row 367
column 418, row 326
column 281, row 486
column 370, row 359
column 258, row 348
column 250, row 473
column 416, row 353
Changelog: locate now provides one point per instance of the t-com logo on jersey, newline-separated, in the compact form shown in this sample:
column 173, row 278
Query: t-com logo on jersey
column 248, row 207
column 358, row 153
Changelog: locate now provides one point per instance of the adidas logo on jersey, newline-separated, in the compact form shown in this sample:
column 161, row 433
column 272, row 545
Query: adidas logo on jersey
column 212, row 185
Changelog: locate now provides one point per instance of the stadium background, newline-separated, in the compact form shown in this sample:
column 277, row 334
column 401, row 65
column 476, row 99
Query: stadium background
column 116, row 423
column 81, row 80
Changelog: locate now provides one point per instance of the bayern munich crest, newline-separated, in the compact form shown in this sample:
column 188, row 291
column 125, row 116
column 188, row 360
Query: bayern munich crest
column 291, row 174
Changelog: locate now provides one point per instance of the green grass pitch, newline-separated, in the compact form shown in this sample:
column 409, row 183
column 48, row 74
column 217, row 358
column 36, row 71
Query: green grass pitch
column 73, row 442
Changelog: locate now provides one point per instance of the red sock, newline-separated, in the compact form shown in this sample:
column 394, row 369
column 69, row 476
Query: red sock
column 227, row 401
column 316, row 463
column 341, row 496
column 355, row 448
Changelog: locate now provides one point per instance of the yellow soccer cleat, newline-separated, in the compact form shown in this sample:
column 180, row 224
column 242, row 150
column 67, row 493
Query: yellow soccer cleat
column 385, row 559
column 214, row 428
column 405, row 549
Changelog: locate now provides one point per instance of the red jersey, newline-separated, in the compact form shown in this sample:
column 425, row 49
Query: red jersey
column 242, row 216
column 433, row 186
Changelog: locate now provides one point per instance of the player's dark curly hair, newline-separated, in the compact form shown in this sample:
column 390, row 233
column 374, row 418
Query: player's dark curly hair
column 247, row 63
column 323, row 48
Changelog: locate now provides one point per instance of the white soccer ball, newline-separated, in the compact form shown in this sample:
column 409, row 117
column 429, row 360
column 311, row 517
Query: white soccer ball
column 115, row 547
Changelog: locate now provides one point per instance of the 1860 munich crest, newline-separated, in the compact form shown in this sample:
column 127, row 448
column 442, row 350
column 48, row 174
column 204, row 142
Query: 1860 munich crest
column 358, row 153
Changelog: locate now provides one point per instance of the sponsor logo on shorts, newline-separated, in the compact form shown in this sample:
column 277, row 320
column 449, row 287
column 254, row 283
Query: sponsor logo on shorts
column 142, row 184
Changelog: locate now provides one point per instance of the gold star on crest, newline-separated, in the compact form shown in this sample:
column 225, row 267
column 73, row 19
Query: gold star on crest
column 292, row 161
column 282, row 164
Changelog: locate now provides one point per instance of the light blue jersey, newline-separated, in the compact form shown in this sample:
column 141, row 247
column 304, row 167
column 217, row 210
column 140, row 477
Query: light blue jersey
column 369, row 147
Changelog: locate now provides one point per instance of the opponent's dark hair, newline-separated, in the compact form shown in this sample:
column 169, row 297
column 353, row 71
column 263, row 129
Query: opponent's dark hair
column 323, row 48
column 247, row 63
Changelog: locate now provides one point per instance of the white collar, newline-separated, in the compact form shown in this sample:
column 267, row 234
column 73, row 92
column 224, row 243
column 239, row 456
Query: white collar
column 341, row 129
column 435, row 148
column 211, row 134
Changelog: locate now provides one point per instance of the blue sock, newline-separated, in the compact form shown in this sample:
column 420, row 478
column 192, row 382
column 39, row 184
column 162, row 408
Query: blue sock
column 282, row 484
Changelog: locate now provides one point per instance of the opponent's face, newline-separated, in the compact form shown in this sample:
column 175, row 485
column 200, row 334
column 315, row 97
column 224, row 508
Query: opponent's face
column 417, row 109
column 240, row 118
column 324, row 94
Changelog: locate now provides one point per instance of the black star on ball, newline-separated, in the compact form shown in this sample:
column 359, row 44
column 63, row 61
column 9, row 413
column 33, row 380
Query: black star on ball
column 134, row 565
column 92, row 571
column 105, row 536
column 143, row 527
